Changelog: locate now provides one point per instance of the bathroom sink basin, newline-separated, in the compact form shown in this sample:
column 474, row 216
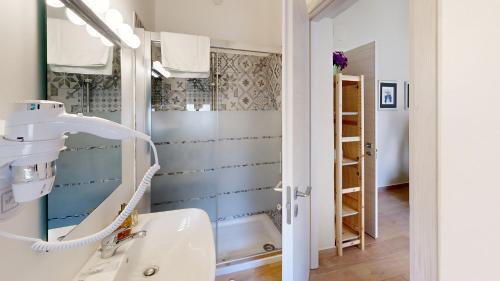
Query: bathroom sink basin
column 179, row 245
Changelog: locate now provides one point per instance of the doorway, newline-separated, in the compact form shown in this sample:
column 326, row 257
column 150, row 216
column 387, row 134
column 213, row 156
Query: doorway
column 375, row 39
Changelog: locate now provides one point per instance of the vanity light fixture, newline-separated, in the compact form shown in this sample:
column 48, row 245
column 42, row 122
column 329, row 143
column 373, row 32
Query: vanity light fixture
column 74, row 18
column 113, row 18
column 101, row 21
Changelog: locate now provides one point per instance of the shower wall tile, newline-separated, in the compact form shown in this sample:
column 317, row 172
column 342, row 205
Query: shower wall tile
column 70, row 89
column 174, row 94
column 238, row 82
column 277, row 217
column 248, row 82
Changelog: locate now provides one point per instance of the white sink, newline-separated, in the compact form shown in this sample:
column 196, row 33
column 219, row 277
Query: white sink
column 179, row 245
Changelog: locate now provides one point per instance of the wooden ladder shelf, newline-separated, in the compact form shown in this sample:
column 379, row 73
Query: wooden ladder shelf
column 349, row 163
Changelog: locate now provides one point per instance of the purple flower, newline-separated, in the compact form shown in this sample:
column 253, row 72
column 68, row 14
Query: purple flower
column 339, row 59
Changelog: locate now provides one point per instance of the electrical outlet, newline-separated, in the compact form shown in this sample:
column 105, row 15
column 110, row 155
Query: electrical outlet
column 7, row 203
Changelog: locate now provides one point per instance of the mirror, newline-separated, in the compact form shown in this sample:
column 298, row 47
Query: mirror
column 85, row 75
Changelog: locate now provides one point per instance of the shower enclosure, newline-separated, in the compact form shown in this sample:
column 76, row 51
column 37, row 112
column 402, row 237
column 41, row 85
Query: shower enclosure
column 219, row 143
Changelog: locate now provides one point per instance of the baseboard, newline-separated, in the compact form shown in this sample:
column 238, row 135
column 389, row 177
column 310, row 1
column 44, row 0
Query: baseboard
column 327, row 248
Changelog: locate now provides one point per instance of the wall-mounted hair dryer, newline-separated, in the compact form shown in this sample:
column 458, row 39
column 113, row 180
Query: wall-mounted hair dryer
column 34, row 136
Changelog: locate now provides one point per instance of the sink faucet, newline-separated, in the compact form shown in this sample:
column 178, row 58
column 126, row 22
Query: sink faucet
column 111, row 243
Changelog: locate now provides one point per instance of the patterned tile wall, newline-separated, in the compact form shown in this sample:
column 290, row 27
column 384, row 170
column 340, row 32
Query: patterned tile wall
column 71, row 89
column 249, row 82
column 238, row 82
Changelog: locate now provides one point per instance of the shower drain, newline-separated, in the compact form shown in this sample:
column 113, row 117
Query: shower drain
column 269, row 247
column 150, row 271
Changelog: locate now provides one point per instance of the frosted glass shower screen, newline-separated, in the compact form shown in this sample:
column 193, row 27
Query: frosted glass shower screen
column 219, row 142
column 184, row 129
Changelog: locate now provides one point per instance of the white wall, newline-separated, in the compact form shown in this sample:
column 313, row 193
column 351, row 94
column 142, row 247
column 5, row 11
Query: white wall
column 386, row 22
column 468, row 139
column 144, row 8
column 252, row 22
column 322, row 154
column 20, row 79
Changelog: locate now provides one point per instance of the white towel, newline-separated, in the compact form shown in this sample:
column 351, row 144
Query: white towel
column 69, row 46
column 184, row 55
column 107, row 69
column 158, row 67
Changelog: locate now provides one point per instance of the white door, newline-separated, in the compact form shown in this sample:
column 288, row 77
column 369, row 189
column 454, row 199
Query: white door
column 362, row 62
column 296, row 144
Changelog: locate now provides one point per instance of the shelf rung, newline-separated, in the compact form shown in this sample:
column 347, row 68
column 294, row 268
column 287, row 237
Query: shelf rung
column 350, row 139
column 351, row 243
column 351, row 78
column 350, row 189
column 348, row 234
column 348, row 211
column 349, row 113
column 347, row 161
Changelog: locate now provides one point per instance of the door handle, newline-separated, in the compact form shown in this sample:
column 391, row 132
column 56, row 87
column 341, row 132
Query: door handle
column 278, row 187
column 307, row 193
column 288, row 205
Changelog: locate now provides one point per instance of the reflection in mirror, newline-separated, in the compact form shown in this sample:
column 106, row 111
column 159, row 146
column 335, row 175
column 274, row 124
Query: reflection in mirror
column 85, row 75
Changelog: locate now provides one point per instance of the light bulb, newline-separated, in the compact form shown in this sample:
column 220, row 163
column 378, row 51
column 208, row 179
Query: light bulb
column 92, row 32
column 106, row 42
column 125, row 30
column 98, row 6
column 113, row 18
column 54, row 3
column 133, row 41
column 74, row 18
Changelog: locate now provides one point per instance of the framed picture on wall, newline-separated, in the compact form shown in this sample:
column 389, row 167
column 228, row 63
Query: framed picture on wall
column 388, row 95
column 407, row 95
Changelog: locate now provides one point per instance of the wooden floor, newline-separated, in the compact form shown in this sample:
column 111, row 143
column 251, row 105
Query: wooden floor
column 385, row 259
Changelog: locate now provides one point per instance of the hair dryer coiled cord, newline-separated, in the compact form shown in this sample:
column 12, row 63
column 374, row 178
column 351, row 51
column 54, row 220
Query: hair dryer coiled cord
column 44, row 246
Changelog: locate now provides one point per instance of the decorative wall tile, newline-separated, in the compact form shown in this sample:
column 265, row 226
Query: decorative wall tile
column 71, row 89
column 248, row 82
column 238, row 82
column 276, row 216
